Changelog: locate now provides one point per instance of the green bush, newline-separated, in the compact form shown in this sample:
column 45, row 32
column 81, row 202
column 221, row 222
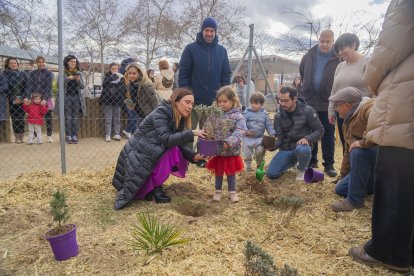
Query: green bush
column 258, row 262
column 59, row 208
column 152, row 236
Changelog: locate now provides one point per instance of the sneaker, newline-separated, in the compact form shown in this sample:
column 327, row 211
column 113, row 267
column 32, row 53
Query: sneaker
column 107, row 138
column 233, row 197
column 127, row 134
column 217, row 195
column 300, row 175
column 344, row 205
column 30, row 142
column 249, row 168
column 49, row 139
column 69, row 140
column 117, row 138
column 75, row 140
column 330, row 171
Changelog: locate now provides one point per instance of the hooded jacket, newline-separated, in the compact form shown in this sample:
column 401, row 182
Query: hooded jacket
column 317, row 99
column 204, row 68
column 164, row 82
column 304, row 123
column 154, row 136
column 390, row 75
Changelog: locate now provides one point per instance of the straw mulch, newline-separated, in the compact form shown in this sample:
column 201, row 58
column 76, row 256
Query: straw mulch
column 315, row 240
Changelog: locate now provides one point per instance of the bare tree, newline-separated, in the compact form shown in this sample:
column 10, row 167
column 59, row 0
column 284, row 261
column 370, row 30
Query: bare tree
column 149, row 23
column 96, row 23
column 26, row 25
column 232, row 29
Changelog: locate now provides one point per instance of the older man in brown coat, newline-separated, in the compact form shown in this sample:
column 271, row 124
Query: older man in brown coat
column 390, row 75
column 358, row 163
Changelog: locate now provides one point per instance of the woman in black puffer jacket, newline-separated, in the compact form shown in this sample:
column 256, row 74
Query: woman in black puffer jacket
column 155, row 150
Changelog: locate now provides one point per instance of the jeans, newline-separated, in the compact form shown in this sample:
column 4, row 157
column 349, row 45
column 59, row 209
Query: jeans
column 132, row 123
column 73, row 113
column 285, row 159
column 49, row 122
column 18, row 116
column 327, row 142
column 360, row 180
column 112, row 113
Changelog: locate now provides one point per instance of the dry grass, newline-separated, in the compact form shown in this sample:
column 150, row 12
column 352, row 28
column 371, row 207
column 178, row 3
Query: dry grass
column 315, row 241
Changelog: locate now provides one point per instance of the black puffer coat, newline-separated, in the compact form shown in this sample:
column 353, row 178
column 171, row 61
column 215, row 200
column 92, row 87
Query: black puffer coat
column 113, row 93
column 155, row 135
column 304, row 123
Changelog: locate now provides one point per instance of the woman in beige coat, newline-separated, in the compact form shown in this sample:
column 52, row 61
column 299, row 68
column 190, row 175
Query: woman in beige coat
column 164, row 80
column 390, row 76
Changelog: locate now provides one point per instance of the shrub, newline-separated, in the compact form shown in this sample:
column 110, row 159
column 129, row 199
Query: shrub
column 59, row 209
column 152, row 236
column 258, row 262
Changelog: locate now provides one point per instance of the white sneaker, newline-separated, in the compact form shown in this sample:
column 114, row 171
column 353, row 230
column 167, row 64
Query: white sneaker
column 300, row 175
column 30, row 142
column 217, row 195
column 108, row 138
column 233, row 197
column 127, row 134
column 117, row 138
column 49, row 139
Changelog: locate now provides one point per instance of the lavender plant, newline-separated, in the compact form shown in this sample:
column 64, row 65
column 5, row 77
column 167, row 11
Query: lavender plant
column 215, row 127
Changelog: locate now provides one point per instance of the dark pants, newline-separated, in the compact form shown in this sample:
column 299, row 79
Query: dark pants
column 327, row 142
column 49, row 122
column 392, row 239
column 341, row 134
column 17, row 115
column 73, row 113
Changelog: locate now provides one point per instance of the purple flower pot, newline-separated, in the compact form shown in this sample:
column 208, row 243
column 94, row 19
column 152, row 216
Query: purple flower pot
column 64, row 246
column 312, row 175
column 208, row 147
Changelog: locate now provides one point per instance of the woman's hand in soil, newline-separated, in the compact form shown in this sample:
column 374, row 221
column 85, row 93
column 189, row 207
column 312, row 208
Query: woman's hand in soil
column 199, row 157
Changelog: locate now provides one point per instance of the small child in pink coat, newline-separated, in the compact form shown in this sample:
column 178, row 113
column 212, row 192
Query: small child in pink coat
column 35, row 111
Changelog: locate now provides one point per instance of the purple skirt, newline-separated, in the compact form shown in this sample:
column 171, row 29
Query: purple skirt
column 172, row 158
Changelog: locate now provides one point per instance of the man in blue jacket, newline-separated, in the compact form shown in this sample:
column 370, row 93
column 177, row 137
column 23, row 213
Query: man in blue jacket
column 204, row 66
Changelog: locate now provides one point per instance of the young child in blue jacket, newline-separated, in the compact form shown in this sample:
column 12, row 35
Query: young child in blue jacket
column 257, row 121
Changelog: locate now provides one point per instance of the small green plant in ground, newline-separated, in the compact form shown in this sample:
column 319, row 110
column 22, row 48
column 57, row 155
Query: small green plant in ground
column 288, row 205
column 259, row 263
column 59, row 211
column 152, row 236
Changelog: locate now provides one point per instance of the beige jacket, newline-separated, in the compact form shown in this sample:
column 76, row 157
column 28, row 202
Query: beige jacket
column 164, row 82
column 390, row 75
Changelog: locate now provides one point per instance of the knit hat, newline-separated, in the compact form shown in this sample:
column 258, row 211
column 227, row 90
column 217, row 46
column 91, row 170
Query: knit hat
column 209, row 22
column 346, row 95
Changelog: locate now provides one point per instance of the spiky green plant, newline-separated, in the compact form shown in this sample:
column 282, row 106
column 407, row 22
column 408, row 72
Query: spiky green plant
column 258, row 262
column 152, row 236
column 59, row 208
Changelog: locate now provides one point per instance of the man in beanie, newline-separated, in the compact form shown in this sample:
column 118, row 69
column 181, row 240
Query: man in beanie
column 358, row 162
column 204, row 67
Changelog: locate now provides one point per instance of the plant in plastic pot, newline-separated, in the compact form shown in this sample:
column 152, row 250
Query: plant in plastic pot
column 214, row 126
column 62, row 238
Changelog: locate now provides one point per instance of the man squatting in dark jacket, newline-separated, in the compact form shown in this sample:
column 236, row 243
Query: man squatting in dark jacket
column 298, row 129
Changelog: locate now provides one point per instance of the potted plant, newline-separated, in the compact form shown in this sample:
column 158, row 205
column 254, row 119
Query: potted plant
column 62, row 238
column 215, row 128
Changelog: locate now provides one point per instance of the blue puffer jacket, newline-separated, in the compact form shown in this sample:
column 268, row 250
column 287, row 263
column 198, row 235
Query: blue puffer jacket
column 258, row 122
column 204, row 68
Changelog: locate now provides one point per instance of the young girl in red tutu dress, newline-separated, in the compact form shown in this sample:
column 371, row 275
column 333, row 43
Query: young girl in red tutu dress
column 228, row 160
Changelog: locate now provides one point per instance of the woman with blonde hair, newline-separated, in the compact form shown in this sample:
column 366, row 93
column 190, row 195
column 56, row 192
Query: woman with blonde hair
column 164, row 80
column 141, row 97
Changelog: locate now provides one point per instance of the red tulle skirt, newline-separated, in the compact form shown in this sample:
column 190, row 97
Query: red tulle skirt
column 229, row 165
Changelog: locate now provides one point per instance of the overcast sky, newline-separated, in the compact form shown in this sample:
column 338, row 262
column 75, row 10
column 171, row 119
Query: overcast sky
column 274, row 16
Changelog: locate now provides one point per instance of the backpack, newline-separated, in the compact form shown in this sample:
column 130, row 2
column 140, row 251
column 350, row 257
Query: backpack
column 167, row 83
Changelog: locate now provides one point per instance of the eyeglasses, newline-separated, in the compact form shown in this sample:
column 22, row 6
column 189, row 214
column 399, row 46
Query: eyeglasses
column 284, row 101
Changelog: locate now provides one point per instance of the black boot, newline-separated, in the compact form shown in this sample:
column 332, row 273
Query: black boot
column 160, row 196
